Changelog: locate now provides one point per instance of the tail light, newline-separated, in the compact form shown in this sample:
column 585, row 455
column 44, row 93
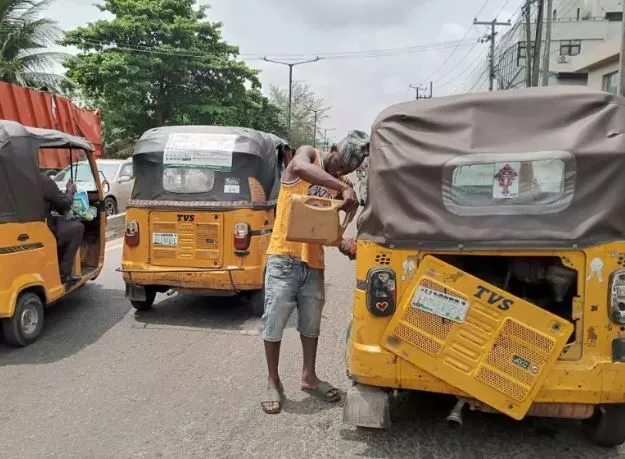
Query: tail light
column 617, row 297
column 242, row 236
column 132, row 233
column 381, row 293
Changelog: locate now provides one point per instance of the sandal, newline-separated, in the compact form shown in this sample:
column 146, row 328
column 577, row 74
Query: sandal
column 324, row 391
column 274, row 395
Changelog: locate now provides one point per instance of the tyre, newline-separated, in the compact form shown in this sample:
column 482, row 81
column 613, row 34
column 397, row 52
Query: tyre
column 607, row 426
column 27, row 322
column 256, row 302
column 110, row 206
column 150, row 296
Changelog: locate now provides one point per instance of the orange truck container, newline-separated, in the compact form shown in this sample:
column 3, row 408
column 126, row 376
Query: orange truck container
column 49, row 111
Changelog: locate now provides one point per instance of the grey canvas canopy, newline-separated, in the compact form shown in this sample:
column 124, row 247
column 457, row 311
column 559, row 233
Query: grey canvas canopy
column 232, row 154
column 533, row 167
column 21, row 199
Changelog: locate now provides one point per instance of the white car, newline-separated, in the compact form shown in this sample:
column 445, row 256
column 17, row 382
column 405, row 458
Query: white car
column 117, row 177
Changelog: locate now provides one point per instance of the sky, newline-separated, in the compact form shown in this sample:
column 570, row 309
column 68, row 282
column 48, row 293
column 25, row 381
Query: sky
column 356, row 88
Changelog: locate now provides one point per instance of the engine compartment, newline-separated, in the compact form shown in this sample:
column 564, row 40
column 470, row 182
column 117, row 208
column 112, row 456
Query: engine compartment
column 542, row 281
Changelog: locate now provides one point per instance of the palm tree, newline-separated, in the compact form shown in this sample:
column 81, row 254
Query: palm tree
column 24, row 40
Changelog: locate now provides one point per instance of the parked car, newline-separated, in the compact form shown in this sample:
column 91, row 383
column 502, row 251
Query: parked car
column 116, row 174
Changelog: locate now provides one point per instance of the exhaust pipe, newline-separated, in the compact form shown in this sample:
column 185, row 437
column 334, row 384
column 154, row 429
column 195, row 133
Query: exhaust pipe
column 455, row 416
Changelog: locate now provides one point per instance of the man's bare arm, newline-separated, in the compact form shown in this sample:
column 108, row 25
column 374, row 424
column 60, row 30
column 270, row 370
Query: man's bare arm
column 303, row 167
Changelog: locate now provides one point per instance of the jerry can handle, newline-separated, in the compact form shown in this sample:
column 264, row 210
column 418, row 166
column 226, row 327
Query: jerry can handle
column 326, row 204
column 349, row 216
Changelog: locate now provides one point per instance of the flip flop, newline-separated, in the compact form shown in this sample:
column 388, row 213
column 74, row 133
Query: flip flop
column 324, row 391
column 273, row 395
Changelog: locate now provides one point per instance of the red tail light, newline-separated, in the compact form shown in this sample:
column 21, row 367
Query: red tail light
column 242, row 236
column 131, row 236
column 381, row 294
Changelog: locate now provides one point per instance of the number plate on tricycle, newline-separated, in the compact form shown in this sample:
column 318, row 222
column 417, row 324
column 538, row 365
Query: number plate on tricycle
column 167, row 239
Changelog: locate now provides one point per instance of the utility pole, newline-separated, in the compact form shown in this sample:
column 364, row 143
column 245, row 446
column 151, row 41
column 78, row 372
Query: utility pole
column 416, row 88
column 527, row 13
column 291, row 65
column 491, row 54
column 316, row 111
column 325, row 136
column 621, row 86
column 547, row 55
column 537, row 43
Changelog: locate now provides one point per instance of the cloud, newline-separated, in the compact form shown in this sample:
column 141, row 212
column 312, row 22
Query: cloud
column 357, row 89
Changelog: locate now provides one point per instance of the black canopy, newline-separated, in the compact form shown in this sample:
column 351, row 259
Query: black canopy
column 21, row 199
column 234, row 155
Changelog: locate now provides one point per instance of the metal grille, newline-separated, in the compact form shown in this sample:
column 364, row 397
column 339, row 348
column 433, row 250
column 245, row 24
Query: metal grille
column 517, row 330
column 164, row 253
column 164, row 228
column 418, row 339
column 429, row 323
column 207, row 236
column 502, row 384
column 383, row 259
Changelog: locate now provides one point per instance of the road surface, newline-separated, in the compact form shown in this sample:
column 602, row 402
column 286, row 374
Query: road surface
column 185, row 380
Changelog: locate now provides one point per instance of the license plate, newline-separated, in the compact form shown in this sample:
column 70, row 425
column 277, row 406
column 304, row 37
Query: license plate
column 444, row 305
column 169, row 239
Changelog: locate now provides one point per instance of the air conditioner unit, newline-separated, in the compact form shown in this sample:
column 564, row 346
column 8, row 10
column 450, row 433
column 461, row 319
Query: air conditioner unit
column 563, row 59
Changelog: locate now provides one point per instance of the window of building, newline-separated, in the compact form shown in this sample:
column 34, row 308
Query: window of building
column 610, row 82
column 570, row 47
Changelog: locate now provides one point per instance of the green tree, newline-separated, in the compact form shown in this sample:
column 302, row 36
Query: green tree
column 24, row 40
column 160, row 62
column 303, row 104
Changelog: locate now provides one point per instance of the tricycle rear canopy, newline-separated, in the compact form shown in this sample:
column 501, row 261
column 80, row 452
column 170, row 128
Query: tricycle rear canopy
column 204, row 165
column 21, row 198
column 532, row 167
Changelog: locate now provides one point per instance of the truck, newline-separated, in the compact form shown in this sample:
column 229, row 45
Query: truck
column 41, row 109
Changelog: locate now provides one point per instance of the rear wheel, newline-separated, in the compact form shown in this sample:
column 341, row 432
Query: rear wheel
column 150, row 296
column 27, row 322
column 607, row 426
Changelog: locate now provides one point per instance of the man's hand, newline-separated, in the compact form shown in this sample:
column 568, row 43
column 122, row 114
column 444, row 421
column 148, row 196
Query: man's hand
column 350, row 200
column 348, row 248
column 70, row 187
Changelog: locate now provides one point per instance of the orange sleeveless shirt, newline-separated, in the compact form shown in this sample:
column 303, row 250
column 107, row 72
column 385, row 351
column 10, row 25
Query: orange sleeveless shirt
column 311, row 254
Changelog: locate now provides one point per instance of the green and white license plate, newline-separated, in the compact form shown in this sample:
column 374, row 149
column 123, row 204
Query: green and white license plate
column 166, row 239
column 441, row 304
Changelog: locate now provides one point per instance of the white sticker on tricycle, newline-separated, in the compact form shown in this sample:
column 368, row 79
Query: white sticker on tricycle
column 168, row 239
column 444, row 305
column 212, row 151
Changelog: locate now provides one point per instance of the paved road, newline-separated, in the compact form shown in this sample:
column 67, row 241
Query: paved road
column 185, row 379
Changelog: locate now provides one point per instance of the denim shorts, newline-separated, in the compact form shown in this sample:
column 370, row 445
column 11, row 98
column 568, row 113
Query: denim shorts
column 291, row 284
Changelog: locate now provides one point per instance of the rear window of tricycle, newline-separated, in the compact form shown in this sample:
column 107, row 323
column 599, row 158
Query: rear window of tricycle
column 509, row 184
column 188, row 180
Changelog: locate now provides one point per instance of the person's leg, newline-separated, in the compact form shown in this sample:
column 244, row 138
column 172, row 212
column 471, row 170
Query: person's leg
column 281, row 284
column 70, row 234
column 310, row 302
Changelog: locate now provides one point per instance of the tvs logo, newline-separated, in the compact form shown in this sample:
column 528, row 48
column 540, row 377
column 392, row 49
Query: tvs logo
column 493, row 299
column 186, row 218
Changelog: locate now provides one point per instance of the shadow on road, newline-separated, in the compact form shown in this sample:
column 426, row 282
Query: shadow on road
column 202, row 312
column 72, row 324
column 421, row 419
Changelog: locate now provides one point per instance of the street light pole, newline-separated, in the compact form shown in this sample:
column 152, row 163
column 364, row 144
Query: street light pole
column 325, row 136
column 315, row 111
column 291, row 65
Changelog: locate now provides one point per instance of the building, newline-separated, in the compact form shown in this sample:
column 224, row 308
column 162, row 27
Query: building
column 579, row 28
column 601, row 64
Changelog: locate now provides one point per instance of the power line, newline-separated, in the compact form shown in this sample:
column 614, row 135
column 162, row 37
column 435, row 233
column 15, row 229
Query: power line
column 463, row 38
column 248, row 57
